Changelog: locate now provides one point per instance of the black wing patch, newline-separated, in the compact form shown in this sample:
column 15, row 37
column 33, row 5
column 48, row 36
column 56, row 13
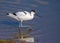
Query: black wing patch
column 25, row 12
column 14, row 14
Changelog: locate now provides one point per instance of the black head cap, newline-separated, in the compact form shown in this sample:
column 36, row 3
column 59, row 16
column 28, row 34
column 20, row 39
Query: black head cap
column 33, row 10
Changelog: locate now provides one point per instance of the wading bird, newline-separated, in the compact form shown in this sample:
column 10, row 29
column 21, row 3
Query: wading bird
column 23, row 15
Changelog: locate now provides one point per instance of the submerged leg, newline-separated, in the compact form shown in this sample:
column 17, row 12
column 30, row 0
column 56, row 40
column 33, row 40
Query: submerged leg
column 24, row 25
column 21, row 23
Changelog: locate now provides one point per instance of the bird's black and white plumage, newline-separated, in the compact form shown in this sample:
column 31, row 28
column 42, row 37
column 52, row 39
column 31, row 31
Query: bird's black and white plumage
column 22, row 15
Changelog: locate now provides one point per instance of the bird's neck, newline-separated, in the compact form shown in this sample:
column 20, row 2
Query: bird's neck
column 32, row 13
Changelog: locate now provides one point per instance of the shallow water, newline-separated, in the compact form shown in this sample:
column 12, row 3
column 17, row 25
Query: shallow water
column 45, row 29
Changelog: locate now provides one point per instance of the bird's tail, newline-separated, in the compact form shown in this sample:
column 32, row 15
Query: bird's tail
column 12, row 15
